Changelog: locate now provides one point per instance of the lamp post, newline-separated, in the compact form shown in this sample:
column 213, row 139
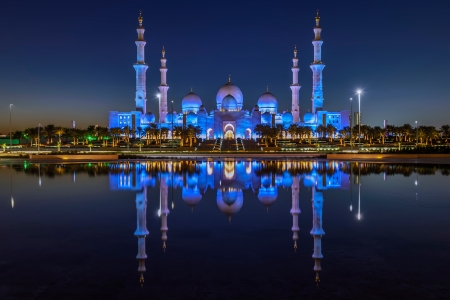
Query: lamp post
column 417, row 134
column 172, row 124
column 351, row 123
column 10, row 137
column 359, row 119
column 39, row 136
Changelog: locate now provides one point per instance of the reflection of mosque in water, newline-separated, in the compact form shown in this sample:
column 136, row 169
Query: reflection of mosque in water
column 229, row 178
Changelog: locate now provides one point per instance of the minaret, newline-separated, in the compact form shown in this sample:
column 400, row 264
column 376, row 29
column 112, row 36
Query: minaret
column 317, row 231
column 317, row 67
column 163, row 87
column 295, row 88
column 141, row 230
column 164, row 209
column 141, row 67
column 295, row 210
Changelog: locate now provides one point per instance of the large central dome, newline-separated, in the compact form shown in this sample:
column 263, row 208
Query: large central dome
column 229, row 103
column 229, row 89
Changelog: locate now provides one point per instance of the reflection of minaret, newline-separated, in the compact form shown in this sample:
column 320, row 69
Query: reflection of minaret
column 295, row 210
column 10, row 187
column 317, row 231
column 317, row 68
column 141, row 230
column 164, row 209
column 39, row 171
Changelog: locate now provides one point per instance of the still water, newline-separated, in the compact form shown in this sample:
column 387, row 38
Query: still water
column 233, row 229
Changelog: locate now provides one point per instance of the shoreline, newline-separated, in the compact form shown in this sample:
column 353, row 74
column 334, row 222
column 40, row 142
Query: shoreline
column 361, row 157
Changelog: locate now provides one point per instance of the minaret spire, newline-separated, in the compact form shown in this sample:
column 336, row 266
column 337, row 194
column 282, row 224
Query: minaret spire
column 295, row 88
column 317, row 68
column 141, row 68
column 141, row 230
column 163, row 88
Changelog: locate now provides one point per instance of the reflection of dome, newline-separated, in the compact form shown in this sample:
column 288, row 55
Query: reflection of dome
column 191, row 196
column 287, row 118
column 229, row 89
column 266, row 118
column 191, row 102
column 308, row 181
column 229, row 103
column 268, row 196
column 230, row 200
column 191, row 117
column 287, row 179
column 266, row 181
column 308, row 118
column 148, row 118
column 268, row 102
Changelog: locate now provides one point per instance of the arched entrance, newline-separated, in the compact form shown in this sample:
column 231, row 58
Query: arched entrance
column 210, row 134
column 229, row 135
column 248, row 133
column 229, row 130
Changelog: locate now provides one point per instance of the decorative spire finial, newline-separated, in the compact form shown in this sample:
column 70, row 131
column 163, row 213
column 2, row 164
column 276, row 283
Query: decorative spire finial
column 229, row 78
column 267, row 90
column 317, row 18
column 163, row 52
column 140, row 19
column 191, row 90
column 295, row 51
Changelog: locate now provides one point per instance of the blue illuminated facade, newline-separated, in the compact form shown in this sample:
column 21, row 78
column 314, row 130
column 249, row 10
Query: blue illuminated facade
column 229, row 119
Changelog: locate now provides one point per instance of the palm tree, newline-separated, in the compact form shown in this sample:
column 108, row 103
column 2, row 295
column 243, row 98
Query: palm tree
column 445, row 132
column 407, row 130
column 258, row 130
column 431, row 133
column 379, row 134
column 59, row 131
column 421, row 132
column 320, row 130
column 18, row 135
column 103, row 134
column 308, row 133
column 49, row 132
column 115, row 133
column 31, row 134
column 331, row 130
column 293, row 130
column 140, row 132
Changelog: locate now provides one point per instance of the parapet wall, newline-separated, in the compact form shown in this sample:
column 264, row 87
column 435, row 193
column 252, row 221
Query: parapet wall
column 75, row 157
column 382, row 155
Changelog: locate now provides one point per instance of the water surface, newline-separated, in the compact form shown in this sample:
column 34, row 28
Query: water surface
column 234, row 229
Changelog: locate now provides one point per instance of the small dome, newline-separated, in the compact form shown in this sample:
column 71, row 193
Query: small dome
column 211, row 113
column 171, row 117
column 287, row 118
column 256, row 108
column 191, row 118
column 266, row 118
column 191, row 102
column 308, row 118
column 268, row 102
column 229, row 103
column 148, row 118
column 229, row 89
column 202, row 108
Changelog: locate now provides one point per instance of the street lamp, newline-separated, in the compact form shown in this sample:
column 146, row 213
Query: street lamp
column 39, row 136
column 416, row 134
column 172, row 124
column 359, row 118
column 351, row 123
column 160, row 131
column 10, row 138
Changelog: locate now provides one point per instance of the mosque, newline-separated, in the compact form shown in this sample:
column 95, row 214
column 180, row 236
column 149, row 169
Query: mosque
column 229, row 119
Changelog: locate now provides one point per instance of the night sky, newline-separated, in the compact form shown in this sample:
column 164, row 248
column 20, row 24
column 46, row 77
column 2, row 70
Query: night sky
column 73, row 60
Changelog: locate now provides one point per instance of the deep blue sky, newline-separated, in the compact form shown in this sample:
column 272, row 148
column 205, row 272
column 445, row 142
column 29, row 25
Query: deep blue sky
column 72, row 60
